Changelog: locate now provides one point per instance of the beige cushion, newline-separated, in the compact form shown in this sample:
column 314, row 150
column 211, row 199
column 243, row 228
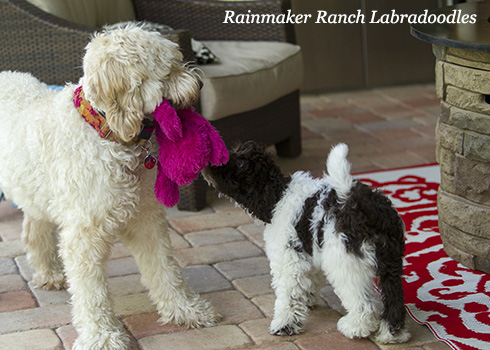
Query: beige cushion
column 250, row 75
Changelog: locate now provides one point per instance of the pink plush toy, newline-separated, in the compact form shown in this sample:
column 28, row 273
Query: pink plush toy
column 187, row 144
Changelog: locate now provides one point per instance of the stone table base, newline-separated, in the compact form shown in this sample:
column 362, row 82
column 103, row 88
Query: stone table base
column 463, row 152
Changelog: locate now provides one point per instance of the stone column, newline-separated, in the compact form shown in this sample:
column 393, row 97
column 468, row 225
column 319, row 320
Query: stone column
column 463, row 152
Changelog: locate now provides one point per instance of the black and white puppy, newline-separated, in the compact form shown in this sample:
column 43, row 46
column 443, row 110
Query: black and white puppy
column 336, row 224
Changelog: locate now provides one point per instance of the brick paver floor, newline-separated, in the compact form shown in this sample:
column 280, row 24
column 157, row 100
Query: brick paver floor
column 220, row 248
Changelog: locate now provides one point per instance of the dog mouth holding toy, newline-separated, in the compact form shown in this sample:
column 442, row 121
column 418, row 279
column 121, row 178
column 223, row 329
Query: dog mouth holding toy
column 187, row 143
column 151, row 98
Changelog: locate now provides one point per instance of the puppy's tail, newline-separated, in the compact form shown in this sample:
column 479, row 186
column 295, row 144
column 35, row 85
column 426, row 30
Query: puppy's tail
column 338, row 168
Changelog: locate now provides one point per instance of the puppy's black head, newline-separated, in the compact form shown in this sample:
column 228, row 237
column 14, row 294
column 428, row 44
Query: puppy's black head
column 251, row 178
column 247, row 168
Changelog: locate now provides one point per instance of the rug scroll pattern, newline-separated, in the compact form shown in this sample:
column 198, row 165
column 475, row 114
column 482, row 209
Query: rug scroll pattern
column 452, row 300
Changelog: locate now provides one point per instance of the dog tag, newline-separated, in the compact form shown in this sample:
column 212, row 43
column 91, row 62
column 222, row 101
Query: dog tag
column 150, row 162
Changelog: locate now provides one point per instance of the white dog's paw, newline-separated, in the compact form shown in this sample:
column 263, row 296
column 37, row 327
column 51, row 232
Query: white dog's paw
column 115, row 340
column 357, row 326
column 281, row 327
column 197, row 314
column 54, row 281
column 204, row 315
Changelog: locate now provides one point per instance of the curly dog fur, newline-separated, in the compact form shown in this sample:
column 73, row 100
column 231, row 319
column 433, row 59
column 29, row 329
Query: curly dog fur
column 335, row 224
column 80, row 193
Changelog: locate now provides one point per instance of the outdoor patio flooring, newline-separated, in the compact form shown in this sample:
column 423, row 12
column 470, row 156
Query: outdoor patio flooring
column 220, row 249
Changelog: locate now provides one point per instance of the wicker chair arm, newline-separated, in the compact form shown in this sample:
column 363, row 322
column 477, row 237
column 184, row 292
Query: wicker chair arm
column 204, row 18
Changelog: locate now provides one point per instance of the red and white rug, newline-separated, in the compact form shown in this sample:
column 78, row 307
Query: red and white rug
column 452, row 300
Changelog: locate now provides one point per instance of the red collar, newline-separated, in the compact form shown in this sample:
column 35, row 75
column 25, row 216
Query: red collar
column 98, row 121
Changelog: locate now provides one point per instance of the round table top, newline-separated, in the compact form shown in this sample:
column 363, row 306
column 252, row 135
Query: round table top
column 469, row 36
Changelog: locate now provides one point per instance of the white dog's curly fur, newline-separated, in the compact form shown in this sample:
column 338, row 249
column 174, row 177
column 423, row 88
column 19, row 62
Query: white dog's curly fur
column 93, row 191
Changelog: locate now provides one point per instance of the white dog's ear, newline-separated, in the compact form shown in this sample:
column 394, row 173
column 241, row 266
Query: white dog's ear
column 182, row 86
column 180, row 83
column 113, row 87
column 127, row 72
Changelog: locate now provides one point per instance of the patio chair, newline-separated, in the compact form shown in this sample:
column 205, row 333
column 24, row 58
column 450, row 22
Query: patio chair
column 253, row 93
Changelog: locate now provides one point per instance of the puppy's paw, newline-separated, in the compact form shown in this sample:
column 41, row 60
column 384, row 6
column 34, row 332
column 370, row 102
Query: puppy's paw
column 357, row 326
column 283, row 329
column 385, row 336
column 311, row 300
column 54, row 281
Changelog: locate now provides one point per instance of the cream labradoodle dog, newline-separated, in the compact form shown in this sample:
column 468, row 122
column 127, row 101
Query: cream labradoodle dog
column 80, row 192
